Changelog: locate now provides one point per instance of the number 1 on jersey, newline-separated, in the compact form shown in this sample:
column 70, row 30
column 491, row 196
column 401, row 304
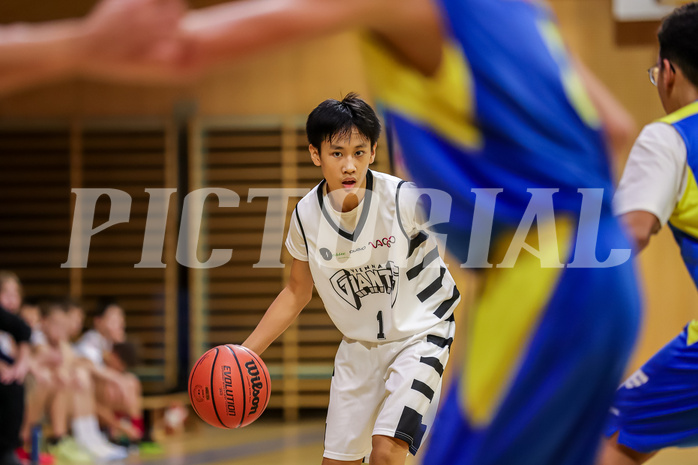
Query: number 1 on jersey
column 379, row 317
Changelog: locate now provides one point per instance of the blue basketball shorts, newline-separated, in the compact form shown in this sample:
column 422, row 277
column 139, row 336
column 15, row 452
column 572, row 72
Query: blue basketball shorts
column 657, row 406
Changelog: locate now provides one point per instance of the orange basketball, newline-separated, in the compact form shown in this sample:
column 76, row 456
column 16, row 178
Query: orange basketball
column 229, row 386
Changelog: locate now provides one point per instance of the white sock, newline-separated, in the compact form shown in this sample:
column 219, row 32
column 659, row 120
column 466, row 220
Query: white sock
column 88, row 435
column 82, row 432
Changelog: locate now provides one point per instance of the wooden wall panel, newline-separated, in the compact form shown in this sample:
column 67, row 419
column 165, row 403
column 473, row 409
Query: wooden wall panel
column 130, row 158
column 44, row 162
column 34, row 206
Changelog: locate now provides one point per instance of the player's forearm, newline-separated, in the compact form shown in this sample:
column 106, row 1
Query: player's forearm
column 15, row 78
column 31, row 55
column 18, row 370
column 619, row 124
column 640, row 226
column 230, row 31
column 104, row 373
column 281, row 313
column 54, row 42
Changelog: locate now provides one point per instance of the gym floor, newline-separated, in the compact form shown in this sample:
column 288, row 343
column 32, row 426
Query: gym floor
column 274, row 442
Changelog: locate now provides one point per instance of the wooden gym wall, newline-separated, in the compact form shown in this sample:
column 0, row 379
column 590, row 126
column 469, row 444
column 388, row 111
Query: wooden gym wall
column 44, row 161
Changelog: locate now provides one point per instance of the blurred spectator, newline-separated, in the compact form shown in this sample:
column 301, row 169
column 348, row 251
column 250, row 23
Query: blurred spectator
column 30, row 312
column 10, row 300
column 70, row 395
column 10, row 291
column 12, row 373
column 76, row 319
column 118, row 392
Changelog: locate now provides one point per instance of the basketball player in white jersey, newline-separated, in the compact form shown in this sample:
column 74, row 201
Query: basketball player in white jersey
column 357, row 237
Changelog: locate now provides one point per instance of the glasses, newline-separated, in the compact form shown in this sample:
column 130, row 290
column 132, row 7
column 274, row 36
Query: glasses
column 653, row 73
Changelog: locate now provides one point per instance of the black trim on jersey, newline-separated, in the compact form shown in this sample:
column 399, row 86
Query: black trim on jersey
column 432, row 288
column 397, row 209
column 439, row 341
column 451, row 318
column 433, row 362
column 424, row 388
column 413, row 242
column 416, row 241
column 447, row 304
column 411, row 429
column 298, row 218
column 364, row 213
column 432, row 255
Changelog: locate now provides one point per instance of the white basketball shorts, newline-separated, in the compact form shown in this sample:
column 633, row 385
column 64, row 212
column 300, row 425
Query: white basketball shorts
column 390, row 389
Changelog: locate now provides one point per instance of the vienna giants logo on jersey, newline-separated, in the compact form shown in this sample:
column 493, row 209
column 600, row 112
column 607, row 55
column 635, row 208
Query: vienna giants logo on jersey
column 352, row 285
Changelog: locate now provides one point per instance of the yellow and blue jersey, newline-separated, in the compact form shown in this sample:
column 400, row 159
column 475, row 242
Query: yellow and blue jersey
column 657, row 407
column 684, row 218
column 546, row 346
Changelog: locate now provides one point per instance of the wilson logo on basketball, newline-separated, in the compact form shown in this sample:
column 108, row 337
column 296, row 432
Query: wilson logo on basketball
column 385, row 242
column 257, row 385
column 228, row 387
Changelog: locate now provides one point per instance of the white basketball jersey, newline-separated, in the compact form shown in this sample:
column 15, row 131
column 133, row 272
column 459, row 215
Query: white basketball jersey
column 384, row 280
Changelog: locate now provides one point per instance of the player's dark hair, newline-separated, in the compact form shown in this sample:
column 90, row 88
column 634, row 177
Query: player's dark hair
column 49, row 305
column 32, row 300
column 103, row 303
column 678, row 40
column 334, row 118
column 71, row 302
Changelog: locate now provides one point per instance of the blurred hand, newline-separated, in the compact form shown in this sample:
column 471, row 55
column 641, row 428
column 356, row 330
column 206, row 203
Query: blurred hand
column 13, row 373
column 52, row 358
column 124, row 29
column 63, row 379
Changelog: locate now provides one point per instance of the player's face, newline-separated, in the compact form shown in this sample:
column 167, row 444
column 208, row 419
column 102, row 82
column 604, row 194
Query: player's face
column 55, row 327
column 30, row 314
column 76, row 318
column 10, row 296
column 344, row 163
column 112, row 324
